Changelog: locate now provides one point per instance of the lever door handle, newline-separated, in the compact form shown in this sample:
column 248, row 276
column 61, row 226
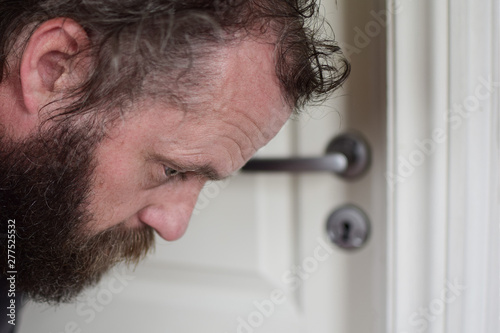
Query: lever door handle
column 347, row 155
column 331, row 162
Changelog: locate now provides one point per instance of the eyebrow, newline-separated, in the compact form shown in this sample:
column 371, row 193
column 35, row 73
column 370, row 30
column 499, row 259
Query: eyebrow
column 205, row 170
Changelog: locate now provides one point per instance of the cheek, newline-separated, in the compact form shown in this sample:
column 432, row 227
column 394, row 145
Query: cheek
column 115, row 192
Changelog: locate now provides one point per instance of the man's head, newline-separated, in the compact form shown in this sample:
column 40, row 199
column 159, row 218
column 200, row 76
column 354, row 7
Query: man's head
column 115, row 113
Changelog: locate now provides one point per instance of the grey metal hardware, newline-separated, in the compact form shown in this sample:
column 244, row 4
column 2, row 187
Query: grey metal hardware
column 348, row 227
column 347, row 155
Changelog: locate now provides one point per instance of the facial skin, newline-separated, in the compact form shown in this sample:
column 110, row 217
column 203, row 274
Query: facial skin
column 86, row 213
column 243, row 111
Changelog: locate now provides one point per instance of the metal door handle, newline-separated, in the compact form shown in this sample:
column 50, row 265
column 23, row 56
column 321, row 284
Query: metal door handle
column 347, row 155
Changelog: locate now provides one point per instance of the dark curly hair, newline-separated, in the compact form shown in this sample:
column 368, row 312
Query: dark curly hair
column 132, row 41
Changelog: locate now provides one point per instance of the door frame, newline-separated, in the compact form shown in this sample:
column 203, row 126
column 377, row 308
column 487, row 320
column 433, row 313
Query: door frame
column 443, row 99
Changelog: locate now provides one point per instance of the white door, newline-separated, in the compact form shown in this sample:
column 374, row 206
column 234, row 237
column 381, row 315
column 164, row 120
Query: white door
column 256, row 257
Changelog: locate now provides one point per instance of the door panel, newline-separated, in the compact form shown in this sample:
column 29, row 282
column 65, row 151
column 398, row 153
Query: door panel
column 256, row 257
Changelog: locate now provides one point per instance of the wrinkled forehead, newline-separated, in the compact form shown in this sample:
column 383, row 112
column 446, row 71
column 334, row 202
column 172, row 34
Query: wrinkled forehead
column 246, row 89
column 244, row 63
column 244, row 76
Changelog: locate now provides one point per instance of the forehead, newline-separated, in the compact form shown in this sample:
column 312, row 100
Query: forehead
column 245, row 102
column 242, row 109
column 239, row 74
column 243, row 72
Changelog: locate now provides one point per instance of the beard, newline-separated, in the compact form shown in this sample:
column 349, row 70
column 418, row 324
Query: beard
column 45, row 186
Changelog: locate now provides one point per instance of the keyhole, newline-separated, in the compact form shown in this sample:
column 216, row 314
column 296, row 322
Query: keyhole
column 348, row 227
column 346, row 231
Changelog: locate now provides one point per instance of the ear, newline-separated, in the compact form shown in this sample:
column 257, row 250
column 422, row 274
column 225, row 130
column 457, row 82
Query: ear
column 47, row 65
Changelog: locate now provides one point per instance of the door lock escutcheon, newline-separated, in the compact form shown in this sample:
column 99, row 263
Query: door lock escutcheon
column 348, row 227
column 347, row 155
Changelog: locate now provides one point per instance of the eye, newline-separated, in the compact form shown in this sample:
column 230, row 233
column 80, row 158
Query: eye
column 169, row 172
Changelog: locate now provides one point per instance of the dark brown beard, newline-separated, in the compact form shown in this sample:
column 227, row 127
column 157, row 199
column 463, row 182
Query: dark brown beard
column 45, row 186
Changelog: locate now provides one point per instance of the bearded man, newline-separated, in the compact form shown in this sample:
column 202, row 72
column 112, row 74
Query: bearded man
column 114, row 113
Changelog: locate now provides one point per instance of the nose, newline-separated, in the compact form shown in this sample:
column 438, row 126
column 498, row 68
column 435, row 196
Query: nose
column 169, row 209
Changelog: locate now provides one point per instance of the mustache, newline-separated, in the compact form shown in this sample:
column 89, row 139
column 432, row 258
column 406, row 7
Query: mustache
column 111, row 246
